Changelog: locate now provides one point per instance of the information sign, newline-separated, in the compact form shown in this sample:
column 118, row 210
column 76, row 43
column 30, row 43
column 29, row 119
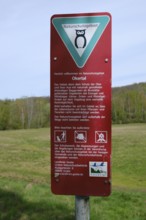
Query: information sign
column 81, row 104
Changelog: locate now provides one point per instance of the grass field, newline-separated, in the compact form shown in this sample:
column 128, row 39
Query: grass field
column 25, row 178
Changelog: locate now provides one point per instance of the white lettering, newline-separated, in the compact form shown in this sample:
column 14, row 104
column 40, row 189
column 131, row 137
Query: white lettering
column 79, row 78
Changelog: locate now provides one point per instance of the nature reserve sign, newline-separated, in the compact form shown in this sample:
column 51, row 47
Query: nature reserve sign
column 81, row 104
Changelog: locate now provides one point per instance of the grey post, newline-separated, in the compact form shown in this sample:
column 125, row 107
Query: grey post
column 82, row 209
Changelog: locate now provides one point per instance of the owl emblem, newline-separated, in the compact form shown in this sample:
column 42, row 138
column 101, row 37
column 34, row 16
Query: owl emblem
column 80, row 40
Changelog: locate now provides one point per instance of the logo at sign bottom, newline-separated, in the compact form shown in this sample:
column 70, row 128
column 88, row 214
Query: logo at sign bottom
column 98, row 169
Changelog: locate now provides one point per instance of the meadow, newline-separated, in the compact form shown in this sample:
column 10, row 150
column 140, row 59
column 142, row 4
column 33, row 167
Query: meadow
column 25, row 192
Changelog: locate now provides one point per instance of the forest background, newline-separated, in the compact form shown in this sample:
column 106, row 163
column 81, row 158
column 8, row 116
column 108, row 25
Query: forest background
column 128, row 106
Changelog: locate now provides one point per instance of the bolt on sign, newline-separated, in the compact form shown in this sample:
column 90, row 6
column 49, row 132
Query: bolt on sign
column 81, row 104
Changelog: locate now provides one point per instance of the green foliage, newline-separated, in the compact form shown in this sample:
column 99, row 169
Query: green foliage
column 129, row 104
column 24, row 113
column 4, row 114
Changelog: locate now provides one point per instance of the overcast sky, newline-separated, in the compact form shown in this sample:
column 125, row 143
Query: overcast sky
column 25, row 42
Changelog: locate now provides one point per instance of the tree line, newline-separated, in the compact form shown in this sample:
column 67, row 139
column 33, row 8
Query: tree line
column 27, row 112
column 128, row 106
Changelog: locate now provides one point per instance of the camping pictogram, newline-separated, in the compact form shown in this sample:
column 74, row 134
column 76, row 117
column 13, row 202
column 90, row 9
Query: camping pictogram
column 101, row 137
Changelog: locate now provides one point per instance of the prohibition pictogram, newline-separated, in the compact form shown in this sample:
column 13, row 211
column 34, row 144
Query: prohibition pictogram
column 101, row 137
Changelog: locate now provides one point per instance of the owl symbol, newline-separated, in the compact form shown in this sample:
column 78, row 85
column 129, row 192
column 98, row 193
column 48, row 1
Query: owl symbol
column 80, row 40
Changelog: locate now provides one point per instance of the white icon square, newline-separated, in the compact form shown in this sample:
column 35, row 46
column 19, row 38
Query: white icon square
column 98, row 169
column 80, row 136
column 101, row 137
column 60, row 136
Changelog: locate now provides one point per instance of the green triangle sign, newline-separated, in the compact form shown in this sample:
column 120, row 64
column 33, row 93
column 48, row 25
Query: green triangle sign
column 80, row 34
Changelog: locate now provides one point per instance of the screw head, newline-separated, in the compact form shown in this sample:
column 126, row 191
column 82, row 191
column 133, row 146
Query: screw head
column 106, row 60
column 55, row 58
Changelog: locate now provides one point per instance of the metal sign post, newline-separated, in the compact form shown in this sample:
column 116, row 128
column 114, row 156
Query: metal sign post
column 81, row 105
column 82, row 208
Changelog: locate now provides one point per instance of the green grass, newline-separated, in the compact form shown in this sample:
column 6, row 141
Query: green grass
column 25, row 178
column 129, row 156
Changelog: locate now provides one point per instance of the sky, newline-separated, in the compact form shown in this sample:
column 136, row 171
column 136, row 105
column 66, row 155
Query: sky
column 25, row 42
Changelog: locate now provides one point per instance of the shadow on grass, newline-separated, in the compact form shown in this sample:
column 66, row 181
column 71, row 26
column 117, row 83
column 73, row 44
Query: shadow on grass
column 14, row 207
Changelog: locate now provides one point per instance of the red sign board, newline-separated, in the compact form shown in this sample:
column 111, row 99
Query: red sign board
column 81, row 104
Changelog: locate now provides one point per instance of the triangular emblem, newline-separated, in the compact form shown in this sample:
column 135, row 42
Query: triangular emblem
column 80, row 34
